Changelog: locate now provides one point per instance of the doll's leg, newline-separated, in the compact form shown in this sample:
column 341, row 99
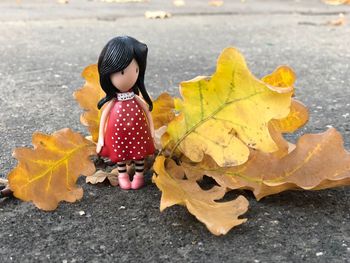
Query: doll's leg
column 123, row 176
column 138, row 180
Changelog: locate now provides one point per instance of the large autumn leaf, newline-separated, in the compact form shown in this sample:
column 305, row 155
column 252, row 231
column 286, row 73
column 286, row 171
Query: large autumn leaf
column 48, row 173
column 219, row 217
column 221, row 116
column 319, row 161
column 88, row 97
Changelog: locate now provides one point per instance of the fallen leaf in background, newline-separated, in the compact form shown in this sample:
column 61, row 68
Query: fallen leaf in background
column 340, row 21
column 216, row 3
column 88, row 97
column 179, row 3
column 319, row 161
column 219, row 217
column 336, row 2
column 221, row 116
column 157, row 14
column 48, row 173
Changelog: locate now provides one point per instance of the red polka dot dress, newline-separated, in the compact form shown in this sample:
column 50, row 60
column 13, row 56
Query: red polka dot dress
column 127, row 135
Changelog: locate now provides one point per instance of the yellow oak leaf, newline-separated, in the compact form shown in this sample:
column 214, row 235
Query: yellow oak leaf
column 219, row 217
column 319, row 161
column 221, row 116
column 88, row 97
column 48, row 173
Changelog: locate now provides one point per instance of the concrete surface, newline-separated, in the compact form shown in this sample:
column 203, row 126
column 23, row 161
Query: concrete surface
column 44, row 46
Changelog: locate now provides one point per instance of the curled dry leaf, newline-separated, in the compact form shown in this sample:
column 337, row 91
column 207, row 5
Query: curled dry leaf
column 100, row 176
column 48, row 173
column 319, row 161
column 88, row 97
column 218, row 115
column 218, row 217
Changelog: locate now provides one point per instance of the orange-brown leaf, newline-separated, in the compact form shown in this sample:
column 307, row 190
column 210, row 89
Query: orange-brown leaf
column 297, row 117
column 319, row 161
column 163, row 110
column 281, row 78
column 88, row 97
column 218, row 217
column 48, row 173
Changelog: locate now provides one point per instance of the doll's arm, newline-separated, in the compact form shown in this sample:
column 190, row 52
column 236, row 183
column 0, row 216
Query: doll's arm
column 148, row 113
column 101, row 132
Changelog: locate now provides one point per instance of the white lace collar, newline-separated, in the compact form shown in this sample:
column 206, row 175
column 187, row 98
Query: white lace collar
column 125, row 95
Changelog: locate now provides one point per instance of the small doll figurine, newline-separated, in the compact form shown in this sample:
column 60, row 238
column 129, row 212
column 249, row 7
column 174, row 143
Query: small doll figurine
column 126, row 127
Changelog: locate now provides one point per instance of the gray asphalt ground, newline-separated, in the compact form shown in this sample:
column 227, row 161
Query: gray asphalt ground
column 44, row 47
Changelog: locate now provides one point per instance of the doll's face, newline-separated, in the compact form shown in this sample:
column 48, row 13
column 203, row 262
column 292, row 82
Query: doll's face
column 125, row 79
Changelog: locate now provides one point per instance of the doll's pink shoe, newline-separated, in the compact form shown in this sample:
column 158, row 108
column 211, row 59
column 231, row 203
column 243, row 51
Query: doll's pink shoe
column 137, row 182
column 124, row 181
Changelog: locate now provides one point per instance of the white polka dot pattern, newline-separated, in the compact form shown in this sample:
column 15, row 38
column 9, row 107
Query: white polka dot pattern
column 126, row 136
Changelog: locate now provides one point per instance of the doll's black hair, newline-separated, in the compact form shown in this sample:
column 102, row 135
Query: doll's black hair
column 116, row 56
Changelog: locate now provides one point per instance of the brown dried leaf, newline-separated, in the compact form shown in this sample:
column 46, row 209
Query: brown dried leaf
column 218, row 217
column 100, row 176
column 319, row 161
column 48, row 173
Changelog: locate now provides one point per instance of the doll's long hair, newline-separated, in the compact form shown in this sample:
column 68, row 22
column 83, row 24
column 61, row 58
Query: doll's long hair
column 116, row 56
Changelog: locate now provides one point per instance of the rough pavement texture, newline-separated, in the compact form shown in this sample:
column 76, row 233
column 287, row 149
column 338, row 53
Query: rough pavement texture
column 44, row 47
